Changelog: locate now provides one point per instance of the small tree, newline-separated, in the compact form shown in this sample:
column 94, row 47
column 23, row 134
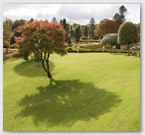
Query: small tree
column 127, row 34
column 42, row 39
column 110, row 39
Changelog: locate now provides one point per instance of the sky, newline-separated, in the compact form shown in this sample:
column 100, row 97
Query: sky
column 73, row 13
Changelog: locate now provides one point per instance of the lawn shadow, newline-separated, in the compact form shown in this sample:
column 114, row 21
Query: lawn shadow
column 31, row 69
column 125, row 54
column 67, row 102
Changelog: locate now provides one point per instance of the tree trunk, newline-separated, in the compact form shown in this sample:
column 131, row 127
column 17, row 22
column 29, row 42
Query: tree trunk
column 128, row 49
column 46, row 68
column 49, row 74
column 45, row 65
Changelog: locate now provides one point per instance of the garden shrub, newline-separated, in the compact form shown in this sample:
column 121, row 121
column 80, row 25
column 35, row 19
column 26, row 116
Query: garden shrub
column 109, row 39
column 127, row 35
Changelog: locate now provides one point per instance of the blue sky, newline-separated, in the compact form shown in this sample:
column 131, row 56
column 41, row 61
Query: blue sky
column 73, row 13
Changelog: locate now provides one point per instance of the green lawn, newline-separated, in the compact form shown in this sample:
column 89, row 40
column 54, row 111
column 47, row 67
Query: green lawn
column 93, row 92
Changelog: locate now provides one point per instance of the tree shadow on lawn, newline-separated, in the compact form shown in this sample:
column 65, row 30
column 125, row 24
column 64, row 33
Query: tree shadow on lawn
column 31, row 69
column 67, row 102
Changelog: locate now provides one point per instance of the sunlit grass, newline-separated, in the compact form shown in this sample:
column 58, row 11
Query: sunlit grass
column 92, row 92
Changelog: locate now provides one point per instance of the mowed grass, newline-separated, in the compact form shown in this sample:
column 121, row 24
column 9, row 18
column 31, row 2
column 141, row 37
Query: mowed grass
column 92, row 92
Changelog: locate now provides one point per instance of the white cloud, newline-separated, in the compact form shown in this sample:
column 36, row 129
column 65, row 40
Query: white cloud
column 74, row 13
column 133, row 14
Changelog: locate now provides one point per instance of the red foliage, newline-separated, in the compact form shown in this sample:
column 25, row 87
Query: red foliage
column 18, row 39
column 42, row 34
column 42, row 39
column 106, row 26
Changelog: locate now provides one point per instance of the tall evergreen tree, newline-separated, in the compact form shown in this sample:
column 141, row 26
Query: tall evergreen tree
column 82, row 29
column 120, row 17
column 77, row 33
column 64, row 24
column 79, row 29
column 67, row 28
column 86, row 31
column 54, row 19
column 122, row 10
column 61, row 22
column 91, row 27
column 72, row 33
column 92, row 21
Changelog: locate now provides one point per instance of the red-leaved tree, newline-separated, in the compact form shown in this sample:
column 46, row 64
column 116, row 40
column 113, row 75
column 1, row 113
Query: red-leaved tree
column 42, row 39
column 105, row 27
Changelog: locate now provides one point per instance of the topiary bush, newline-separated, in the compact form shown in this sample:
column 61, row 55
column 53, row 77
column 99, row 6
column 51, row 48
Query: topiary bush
column 109, row 39
column 127, row 34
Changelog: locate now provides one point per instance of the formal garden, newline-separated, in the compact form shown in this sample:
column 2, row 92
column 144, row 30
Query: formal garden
column 71, row 77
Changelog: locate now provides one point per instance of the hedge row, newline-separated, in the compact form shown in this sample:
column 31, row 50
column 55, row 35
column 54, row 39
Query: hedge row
column 95, row 49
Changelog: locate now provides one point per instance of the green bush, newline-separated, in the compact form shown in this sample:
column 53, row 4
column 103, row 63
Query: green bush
column 109, row 39
column 127, row 34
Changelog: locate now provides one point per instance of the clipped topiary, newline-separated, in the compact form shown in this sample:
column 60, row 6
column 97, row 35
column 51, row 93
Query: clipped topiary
column 110, row 39
column 127, row 34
